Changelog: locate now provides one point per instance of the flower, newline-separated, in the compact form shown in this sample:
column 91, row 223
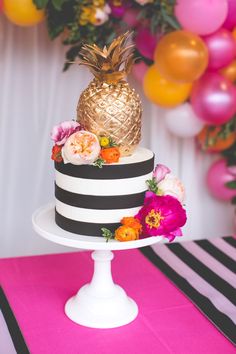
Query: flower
column 101, row 15
column 132, row 222
column 144, row 2
column 161, row 215
column 56, row 153
column 110, row 155
column 126, row 233
column 160, row 172
column 104, row 141
column 81, row 148
column 171, row 185
column 61, row 132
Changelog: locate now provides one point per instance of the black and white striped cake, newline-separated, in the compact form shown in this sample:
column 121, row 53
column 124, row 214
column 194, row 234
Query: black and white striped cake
column 89, row 198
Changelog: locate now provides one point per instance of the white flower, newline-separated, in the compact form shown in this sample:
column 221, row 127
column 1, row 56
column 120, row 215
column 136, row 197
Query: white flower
column 171, row 185
column 102, row 15
column 81, row 148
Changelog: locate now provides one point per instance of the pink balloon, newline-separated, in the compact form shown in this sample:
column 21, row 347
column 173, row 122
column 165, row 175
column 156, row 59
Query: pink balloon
column 230, row 21
column 131, row 17
column 146, row 42
column 222, row 48
column 201, row 16
column 139, row 70
column 214, row 99
column 218, row 174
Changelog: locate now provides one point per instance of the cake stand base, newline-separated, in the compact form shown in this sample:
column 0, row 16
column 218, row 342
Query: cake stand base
column 101, row 304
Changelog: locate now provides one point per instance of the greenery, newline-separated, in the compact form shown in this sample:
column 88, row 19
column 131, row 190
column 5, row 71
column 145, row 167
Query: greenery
column 152, row 185
column 99, row 163
column 107, row 234
column 65, row 17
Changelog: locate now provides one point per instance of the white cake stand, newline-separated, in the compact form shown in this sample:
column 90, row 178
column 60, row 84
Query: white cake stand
column 101, row 303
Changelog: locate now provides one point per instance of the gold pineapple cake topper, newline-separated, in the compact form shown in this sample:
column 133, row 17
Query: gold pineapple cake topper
column 109, row 106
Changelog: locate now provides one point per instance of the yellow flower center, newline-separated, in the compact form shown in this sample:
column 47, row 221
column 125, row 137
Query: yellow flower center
column 153, row 219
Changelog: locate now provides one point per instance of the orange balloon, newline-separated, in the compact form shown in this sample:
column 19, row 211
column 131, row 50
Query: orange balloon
column 22, row 12
column 230, row 71
column 181, row 56
column 163, row 92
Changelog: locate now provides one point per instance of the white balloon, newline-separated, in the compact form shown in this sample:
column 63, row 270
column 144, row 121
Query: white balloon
column 183, row 122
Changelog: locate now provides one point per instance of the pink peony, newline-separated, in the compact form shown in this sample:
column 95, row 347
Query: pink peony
column 161, row 216
column 171, row 185
column 160, row 172
column 61, row 132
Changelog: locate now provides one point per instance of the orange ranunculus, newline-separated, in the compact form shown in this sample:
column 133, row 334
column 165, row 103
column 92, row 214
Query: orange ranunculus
column 126, row 233
column 210, row 141
column 132, row 222
column 56, row 153
column 110, row 155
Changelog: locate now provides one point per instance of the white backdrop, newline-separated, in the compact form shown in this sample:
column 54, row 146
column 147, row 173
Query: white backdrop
column 35, row 95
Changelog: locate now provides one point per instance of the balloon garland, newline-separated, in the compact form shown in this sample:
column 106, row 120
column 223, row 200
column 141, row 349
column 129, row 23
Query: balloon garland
column 187, row 51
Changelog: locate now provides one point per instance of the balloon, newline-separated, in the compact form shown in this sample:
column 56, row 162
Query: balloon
column 181, row 56
column 146, row 42
column 131, row 17
column 222, row 48
column 230, row 20
column 182, row 121
column 218, row 174
column 230, row 71
column 201, row 16
column 22, row 12
column 1, row 5
column 234, row 33
column 163, row 92
column 139, row 70
column 214, row 99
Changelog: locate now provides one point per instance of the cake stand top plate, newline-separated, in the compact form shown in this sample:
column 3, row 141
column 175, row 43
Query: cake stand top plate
column 44, row 224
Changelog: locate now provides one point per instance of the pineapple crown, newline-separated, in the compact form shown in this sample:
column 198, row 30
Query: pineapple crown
column 110, row 64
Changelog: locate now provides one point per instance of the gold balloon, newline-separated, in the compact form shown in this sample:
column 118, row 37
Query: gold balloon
column 23, row 12
column 230, row 71
column 234, row 32
column 181, row 56
column 163, row 92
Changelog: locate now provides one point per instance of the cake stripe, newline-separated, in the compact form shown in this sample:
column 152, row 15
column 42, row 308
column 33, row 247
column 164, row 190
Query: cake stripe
column 102, row 187
column 107, row 171
column 83, row 228
column 94, row 215
column 99, row 202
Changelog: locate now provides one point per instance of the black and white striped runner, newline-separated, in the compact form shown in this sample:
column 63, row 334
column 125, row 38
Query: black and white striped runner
column 205, row 270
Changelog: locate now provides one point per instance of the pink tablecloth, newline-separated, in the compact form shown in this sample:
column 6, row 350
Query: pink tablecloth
column 38, row 287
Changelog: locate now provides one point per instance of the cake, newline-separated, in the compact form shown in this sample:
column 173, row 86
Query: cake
column 105, row 185
column 89, row 198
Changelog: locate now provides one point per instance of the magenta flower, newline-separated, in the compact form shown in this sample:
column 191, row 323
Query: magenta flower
column 61, row 132
column 161, row 216
column 160, row 172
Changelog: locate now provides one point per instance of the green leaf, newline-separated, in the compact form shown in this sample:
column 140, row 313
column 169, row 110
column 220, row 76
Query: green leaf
column 152, row 185
column 58, row 4
column 107, row 234
column 99, row 163
column 40, row 4
column 231, row 184
column 233, row 200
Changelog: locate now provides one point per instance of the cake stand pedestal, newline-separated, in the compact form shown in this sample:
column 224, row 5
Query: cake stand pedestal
column 101, row 303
